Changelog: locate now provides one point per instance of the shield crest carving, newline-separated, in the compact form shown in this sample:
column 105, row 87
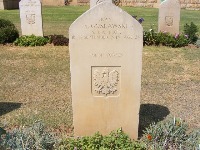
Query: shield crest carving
column 30, row 18
column 169, row 20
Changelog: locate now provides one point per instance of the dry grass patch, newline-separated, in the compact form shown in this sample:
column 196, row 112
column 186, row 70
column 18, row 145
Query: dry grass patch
column 35, row 85
column 171, row 79
column 39, row 78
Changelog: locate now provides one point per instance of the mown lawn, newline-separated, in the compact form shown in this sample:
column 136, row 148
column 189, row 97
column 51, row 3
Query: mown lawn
column 56, row 20
column 35, row 81
column 35, row 85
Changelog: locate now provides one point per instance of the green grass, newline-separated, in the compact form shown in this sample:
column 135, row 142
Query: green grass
column 56, row 20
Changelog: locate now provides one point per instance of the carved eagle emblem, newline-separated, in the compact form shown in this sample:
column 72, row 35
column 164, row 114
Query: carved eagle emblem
column 105, row 81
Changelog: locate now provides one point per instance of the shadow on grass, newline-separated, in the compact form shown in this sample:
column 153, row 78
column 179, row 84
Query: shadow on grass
column 6, row 107
column 150, row 113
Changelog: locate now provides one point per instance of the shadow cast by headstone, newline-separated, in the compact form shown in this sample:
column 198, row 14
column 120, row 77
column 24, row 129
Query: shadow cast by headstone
column 150, row 113
column 6, row 107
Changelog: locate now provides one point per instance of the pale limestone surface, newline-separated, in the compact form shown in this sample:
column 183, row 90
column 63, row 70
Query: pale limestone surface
column 2, row 4
column 169, row 16
column 105, row 63
column 96, row 2
column 31, row 18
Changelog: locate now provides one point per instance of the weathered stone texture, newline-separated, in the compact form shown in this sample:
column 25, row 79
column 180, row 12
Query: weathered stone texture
column 31, row 17
column 169, row 16
column 105, row 64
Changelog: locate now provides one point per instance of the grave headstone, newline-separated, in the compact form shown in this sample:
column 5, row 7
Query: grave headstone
column 105, row 63
column 169, row 16
column 31, row 18
column 96, row 2
column 2, row 4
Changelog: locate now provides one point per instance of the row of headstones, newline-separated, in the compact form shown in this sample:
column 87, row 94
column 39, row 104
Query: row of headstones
column 31, row 18
column 105, row 63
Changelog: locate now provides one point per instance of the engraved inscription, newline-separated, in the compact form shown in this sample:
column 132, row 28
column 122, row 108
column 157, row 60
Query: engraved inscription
column 30, row 4
column 105, row 29
column 30, row 18
column 105, row 81
column 169, row 20
column 107, row 26
column 107, row 55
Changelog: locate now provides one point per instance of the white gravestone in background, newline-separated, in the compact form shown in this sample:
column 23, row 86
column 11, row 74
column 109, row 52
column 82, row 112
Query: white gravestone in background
column 169, row 16
column 106, row 64
column 96, row 2
column 31, row 19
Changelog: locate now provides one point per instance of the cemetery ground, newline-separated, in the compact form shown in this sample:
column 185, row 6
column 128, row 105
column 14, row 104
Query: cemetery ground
column 35, row 85
column 35, row 81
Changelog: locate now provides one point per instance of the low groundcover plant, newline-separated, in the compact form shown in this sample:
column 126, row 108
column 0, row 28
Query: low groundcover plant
column 31, row 40
column 116, row 140
column 189, row 36
column 171, row 135
column 27, row 138
column 164, row 38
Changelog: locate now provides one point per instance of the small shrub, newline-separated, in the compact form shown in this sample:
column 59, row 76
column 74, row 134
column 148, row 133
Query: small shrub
column 116, row 140
column 171, row 134
column 33, row 138
column 149, row 37
column 191, row 31
column 59, row 40
column 164, row 38
column 8, row 32
column 31, row 40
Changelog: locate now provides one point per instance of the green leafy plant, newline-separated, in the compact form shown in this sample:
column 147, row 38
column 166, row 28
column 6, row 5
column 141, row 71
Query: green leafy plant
column 191, row 31
column 164, row 38
column 8, row 32
column 34, row 138
column 149, row 37
column 31, row 40
column 171, row 134
column 116, row 140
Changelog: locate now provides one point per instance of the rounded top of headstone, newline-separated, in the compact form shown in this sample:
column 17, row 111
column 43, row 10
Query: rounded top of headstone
column 105, row 11
column 30, row 2
column 170, row 4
